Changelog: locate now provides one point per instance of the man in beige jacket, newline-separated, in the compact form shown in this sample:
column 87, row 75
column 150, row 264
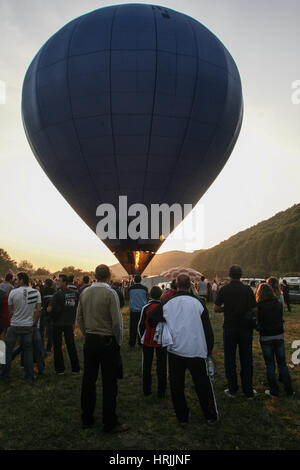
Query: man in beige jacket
column 99, row 318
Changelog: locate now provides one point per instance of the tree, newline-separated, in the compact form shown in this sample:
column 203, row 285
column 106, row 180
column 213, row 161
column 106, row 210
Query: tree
column 289, row 249
column 71, row 270
column 26, row 266
column 6, row 263
column 41, row 272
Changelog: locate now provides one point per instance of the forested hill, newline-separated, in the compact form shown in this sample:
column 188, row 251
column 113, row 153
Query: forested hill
column 270, row 247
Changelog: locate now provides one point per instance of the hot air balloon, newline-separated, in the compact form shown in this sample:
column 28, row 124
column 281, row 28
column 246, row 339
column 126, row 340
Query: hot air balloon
column 136, row 100
column 173, row 273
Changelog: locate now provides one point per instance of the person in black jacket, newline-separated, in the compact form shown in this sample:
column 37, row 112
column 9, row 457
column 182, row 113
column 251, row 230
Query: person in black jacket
column 270, row 325
column 62, row 309
column 237, row 300
column 118, row 288
column 45, row 322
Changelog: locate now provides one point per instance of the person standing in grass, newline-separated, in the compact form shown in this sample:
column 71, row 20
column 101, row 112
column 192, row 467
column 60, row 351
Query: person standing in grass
column 7, row 285
column 138, row 295
column 193, row 291
column 85, row 283
column 45, row 322
column 169, row 292
column 25, row 306
column 4, row 315
column 202, row 288
column 4, row 312
column 236, row 300
column 275, row 286
column 187, row 320
column 214, row 290
column 118, row 288
column 62, row 310
column 286, row 294
column 150, row 346
column 71, row 285
column 99, row 318
column 270, row 325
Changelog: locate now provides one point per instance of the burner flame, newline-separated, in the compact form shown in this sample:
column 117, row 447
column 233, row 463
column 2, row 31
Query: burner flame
column 137, row 256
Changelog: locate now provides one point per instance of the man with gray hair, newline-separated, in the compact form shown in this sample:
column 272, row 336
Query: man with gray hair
column 99, row 319
column 187, row 319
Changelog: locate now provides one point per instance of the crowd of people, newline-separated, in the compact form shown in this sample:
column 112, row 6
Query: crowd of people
column 172, row 324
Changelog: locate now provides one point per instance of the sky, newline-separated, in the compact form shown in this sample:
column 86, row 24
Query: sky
column 260, row 178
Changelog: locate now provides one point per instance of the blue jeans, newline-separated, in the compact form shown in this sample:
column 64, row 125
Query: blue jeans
column 272, row 350
column 38, row 350
column 25, row 335
column 242, row 338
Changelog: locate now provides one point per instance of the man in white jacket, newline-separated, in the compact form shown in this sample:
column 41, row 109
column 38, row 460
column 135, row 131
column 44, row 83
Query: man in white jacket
column 192, row 342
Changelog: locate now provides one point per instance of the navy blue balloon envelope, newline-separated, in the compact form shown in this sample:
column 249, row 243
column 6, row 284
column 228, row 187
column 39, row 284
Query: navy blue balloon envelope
column 134, row 100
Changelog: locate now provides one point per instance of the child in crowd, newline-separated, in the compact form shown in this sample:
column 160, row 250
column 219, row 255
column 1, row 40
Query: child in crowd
column 146, row 334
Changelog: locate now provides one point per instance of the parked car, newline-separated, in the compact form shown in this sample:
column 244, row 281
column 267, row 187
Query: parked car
column 252, row 281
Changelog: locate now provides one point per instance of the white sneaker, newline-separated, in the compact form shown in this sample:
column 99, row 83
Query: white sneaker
column 269, row 394
column 227, row 392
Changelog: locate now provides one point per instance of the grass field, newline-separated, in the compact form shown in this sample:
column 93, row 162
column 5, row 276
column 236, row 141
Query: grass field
column 46, row 415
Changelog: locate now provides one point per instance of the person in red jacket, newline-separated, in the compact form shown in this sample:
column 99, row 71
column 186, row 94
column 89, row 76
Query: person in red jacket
column 146, row 334
column 4, row 312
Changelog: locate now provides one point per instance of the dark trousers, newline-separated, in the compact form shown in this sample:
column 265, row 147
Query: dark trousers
column 68, row 332
column 133, row 324
column 287, row 302
column 161, row 369
column 47, row 325
column 104, row 351
column 38, row 350
column 241, row 338
column 197, row 367
column 272, row 350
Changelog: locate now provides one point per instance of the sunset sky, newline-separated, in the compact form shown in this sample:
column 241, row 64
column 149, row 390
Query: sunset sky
column 260, row 179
